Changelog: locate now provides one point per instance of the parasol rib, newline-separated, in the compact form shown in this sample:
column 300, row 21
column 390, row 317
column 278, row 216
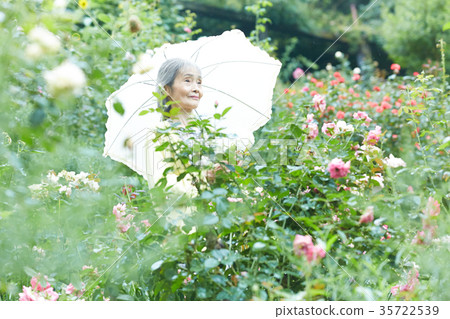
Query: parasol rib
column 132, row 84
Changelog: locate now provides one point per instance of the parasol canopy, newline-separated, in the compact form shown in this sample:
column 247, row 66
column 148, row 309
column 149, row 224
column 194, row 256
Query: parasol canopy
column 235, row 74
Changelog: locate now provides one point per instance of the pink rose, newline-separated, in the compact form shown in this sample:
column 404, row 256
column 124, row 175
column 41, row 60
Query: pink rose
column 340, row 115
column 50, row 295
column 338, row 168
column 319, row 102
column 328, row 128
column 362, row 116
column 419, row 238
column 37, row 293
column 119, row 210
column 301, row 243
column 374, row 136
column 314, row 253
column 124, row 227
column 303, row 246
column 367, row 217
column 297, row 73
column 413, row 281
column 187, row 30
column 313, row 130
column 28, row 294
column 395, row 290
column 70, row 288
column 395, row 67
column 146, row 223
column 433, row 208
column 36, row 285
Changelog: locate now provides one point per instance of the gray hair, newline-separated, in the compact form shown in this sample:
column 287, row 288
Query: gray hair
column 167, row 74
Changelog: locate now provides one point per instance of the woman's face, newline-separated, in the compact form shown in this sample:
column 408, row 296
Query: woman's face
column 187, row 89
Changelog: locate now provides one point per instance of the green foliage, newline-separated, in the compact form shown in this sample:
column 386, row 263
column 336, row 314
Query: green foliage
column 411, row 30
column 257, row 35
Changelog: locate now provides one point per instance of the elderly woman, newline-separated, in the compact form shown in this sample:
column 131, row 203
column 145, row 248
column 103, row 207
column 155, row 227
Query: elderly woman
column 181, row 80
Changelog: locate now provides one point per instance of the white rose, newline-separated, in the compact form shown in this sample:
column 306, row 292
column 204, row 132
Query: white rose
column 60, row 5
column 143, row 64
column 379, row 178
column 34, row 51
column 356, row 71
column 184, row 186
column 48, row 42
column 339, row 55
column 66, row 190
column 52, row 177
column 394, row 162
column 66, row 78
column 341, row 126
column 2, row 17
column 35, row 187
column 93, row 185
column 82, row 176
column 329, row 67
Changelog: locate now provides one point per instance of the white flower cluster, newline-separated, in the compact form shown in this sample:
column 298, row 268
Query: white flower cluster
column 443, row 240
column 342, row 127
column 369, row 151
column 66, row 78
column 42, row 42
column 364, row 183
column 64, row 182
column 394, row 162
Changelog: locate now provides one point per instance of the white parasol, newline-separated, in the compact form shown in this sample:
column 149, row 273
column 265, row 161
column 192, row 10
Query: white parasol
column 234, row 73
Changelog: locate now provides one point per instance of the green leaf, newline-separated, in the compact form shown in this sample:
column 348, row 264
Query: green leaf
column 118, row 108
column 156, row 265
column 144, row 112
column 217, row 116
column 30, row 271
column 211, row 263
column 239, row 170
column 162, row 147
column 210, row 220
column 258, row 245
column 226, row 111
column 104, row 17
column 445, row 144
column 221, row 205
column 37, row 117
column 220, row 191
column 331, row 241
column 220, row 280
column 446, row 26
column 207, row 195
column 181, row 176
column 296, row 131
